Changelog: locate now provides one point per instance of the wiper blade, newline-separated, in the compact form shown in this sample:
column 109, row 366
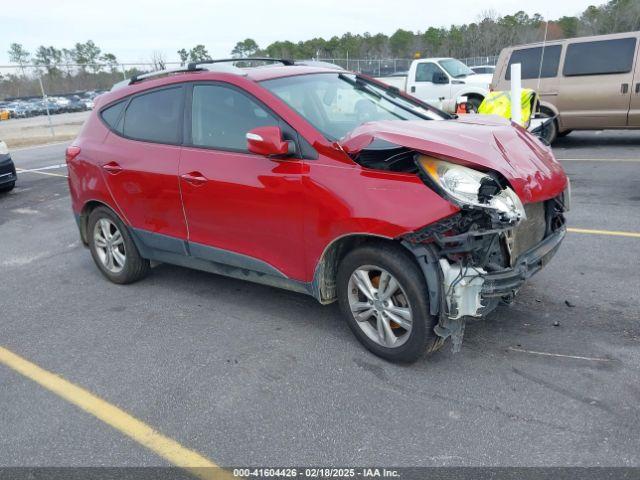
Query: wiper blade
column 359, row 84
column 390, row 95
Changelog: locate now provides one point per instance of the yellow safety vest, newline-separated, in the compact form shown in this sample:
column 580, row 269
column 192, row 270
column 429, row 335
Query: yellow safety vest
column 499, row 103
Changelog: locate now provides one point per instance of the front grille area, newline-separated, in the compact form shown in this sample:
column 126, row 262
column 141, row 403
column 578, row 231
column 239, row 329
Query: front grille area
column 529, row 232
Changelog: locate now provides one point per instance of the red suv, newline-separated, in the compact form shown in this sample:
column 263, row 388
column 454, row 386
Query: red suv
column 320, row 181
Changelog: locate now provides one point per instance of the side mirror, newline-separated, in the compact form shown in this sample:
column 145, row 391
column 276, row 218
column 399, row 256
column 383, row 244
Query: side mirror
column 268, row 141
column 440, row 78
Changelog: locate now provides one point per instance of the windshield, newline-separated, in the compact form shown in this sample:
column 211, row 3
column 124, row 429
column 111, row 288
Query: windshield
column 336, row 103
column 456, row 68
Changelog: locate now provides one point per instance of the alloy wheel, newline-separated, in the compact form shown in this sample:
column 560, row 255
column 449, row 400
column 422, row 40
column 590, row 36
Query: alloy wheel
column 380, row 306
column 109, row 245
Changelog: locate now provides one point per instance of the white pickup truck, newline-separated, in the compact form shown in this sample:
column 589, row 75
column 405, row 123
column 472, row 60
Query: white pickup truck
column 441, row 81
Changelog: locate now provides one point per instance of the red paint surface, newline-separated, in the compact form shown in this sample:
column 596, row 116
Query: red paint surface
column 286, row 212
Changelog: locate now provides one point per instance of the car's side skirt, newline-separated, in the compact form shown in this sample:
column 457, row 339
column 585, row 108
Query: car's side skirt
column 166, row 249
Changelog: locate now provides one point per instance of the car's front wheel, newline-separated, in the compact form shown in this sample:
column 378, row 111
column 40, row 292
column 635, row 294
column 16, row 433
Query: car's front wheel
column 384, row 298
column 8, row 187
column 549, row 132
column 113, row 249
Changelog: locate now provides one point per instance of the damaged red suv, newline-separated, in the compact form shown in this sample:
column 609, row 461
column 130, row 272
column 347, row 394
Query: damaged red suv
column 323, row 182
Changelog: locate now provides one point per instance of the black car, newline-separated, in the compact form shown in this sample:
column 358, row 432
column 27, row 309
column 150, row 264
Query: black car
column 8, row 175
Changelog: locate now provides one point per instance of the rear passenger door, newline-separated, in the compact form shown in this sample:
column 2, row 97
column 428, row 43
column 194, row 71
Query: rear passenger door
column 242, row 209
column 596, row 89
column 139, row 161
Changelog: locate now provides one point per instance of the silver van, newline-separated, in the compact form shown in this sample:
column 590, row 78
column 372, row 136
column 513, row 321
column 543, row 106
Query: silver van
column 590, row 83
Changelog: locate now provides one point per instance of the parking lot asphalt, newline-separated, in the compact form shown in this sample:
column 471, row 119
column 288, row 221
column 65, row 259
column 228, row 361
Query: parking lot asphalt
column 245, row 374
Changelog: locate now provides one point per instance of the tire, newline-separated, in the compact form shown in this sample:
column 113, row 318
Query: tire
column 8, row 187
column 411, row 295
column 564, row 133
column 125, row 266
column 550, row 132
column 474, row 104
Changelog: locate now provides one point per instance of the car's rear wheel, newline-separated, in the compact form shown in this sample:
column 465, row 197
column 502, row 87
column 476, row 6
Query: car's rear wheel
column 383, row 296
column 473, row 104
column 113, row 249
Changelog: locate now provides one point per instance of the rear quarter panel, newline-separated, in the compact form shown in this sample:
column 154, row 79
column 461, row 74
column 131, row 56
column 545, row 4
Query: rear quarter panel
column 86, row 181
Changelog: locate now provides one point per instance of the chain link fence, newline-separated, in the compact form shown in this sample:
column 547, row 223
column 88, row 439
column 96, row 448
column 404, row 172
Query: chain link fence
column 374, row 67
column 31, row 90
column 390, row 66
column 490, row 60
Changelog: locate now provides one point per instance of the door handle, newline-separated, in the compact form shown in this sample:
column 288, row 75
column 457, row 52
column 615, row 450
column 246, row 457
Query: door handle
column 112, row 167
column 413, row 89
column 194, row 178
column 637, row 88
column 624, row 88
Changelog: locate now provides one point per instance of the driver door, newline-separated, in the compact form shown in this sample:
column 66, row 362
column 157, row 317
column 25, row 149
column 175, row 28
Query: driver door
column 242, row 209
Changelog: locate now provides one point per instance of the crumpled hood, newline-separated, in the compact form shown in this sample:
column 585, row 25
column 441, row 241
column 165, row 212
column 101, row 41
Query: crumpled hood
column 485, row 141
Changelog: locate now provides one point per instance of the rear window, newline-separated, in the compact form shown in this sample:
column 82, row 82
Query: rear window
column 530, row 60
column 155, row 117
column 599, row 58
column 112, row 115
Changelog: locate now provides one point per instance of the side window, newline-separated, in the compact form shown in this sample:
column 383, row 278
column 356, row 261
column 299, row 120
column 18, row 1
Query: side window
column 221, row 117
column 155, row 116
column 425, row 72
column 598, row 58
column 530, row 59
column 112, row 116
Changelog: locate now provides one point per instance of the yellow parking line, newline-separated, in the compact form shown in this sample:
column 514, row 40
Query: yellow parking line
column 604, row 232
column 137, row 430
column 20, row 170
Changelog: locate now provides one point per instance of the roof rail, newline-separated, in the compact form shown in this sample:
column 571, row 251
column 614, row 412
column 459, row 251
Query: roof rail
column 144, row 76
column 284, row 61
column 195, row 66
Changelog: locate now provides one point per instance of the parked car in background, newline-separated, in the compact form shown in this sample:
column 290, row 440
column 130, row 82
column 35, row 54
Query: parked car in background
column 440, row 81
column 34, row 106
column 8, row 175
column 484, row 69
column 588, row 83
column 324, row 182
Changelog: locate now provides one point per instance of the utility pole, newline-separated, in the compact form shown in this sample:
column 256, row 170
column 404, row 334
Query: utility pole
column 46, row 104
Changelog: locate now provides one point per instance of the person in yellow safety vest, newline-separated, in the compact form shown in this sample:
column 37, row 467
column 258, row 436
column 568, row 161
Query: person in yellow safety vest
column 499, row 103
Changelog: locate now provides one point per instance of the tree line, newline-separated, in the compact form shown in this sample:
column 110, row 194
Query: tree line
column 485, row 37
column 96, row 69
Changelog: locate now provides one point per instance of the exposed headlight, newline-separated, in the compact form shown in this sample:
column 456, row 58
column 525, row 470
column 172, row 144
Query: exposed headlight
column 469, row 187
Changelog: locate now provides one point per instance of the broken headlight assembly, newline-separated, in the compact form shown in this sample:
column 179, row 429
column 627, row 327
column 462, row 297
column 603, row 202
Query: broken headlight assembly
column 467, row 187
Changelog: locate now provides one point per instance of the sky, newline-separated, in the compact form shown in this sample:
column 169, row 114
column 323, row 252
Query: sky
column 134, row 29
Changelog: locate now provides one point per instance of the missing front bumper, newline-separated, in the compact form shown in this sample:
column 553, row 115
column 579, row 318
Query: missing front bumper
column 507, row 282
column 472, row 291
column 458, row 291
